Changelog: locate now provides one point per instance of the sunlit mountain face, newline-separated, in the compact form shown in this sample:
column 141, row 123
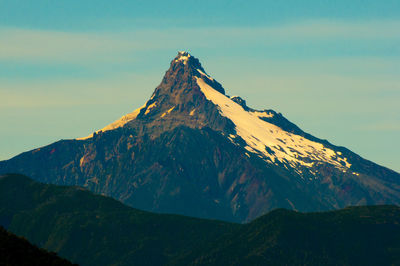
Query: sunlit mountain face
column 191, row 149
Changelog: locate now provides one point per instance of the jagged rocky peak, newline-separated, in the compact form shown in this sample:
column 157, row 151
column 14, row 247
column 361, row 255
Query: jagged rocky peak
column 239, row 100
column 184, row 57
column 178, row 93
column 183, row 71
column 186, row 63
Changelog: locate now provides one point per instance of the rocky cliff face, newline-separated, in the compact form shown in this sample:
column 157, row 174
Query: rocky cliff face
column 193, row 150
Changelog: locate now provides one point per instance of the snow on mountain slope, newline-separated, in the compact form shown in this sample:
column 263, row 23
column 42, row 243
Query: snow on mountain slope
column 195, row 151
column 183, row 56
column 269, row 141
column 204, row 74
column 118, row 123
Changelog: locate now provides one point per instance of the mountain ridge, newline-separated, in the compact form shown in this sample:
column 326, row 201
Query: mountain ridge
column 95, row 230
column 193, row 150
column 16, row 250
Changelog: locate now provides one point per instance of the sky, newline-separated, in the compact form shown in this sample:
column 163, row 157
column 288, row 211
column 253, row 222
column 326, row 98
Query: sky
column 68, row 68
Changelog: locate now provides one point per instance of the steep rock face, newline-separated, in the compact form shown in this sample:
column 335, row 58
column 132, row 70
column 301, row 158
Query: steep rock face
column 192, row 150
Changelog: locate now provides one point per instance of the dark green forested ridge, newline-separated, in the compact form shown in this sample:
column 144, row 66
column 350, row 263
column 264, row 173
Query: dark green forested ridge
column 18, row 251
column 368, row 235
column 95, row 230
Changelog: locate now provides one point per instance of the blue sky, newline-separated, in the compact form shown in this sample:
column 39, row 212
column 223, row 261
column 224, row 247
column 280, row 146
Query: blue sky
column 68, row 68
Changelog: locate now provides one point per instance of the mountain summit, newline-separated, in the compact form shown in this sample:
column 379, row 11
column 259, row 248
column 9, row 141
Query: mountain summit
column 193, row 150
column 178, row 93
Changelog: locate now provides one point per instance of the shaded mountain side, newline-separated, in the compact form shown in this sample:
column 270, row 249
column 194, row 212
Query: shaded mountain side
column 367, row 235
column 96, row 230
column 194, row 151
column 193, row 172
column 17, row 251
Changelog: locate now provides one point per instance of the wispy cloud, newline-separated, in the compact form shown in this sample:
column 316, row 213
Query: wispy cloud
column 128, row 89
column 382, row 126
column 37, row 45
column 88, row 47
column 367, row 30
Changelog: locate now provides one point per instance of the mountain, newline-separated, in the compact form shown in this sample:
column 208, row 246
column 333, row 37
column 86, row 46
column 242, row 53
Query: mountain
column 92, row 229
column 18, row 251
column 193, row 150
column 95, row 230
column 367, row 235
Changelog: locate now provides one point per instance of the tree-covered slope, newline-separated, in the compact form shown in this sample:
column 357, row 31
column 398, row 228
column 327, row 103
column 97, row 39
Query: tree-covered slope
column 95, row 230
column 368, row 235
column 18, row 251
column 91, row 229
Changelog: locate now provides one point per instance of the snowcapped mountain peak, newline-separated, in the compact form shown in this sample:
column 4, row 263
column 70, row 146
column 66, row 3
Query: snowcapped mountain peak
column 175, row 90
column 193, row 150
column 183, row 57
column 183, row 93
column 186, row 61
column 183, row 70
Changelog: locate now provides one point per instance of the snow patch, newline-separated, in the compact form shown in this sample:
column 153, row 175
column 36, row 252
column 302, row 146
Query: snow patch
column 167, row 112
column 205, row 75
column 268, row 140
column 183, row 56
column 151, row 106
column 118, row 123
